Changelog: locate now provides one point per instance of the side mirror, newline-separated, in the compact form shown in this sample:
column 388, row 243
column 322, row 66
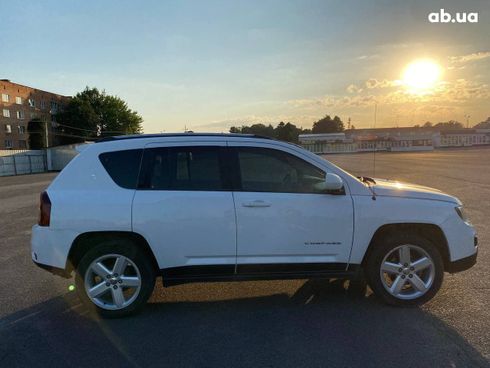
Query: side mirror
column 332, row 183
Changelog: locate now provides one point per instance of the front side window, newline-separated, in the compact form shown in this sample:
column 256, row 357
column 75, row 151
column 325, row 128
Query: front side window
column 123, row 166
column 5, row 97
column 183, row 168
column 20, row 115
column 6, row 113
column 8, row 128
column 270, row 170
column 18, row 100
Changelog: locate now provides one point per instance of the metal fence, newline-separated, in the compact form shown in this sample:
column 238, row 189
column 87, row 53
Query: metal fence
column 18, row 162
column 22, row 162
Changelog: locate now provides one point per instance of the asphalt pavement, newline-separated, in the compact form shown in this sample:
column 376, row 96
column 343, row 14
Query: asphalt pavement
column 300, row 323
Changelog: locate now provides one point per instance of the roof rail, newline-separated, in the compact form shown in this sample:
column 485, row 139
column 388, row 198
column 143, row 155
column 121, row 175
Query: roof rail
column 168, row 135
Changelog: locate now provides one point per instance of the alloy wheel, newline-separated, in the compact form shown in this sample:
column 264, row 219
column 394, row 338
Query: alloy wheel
column 112, row 281
column 407, row 272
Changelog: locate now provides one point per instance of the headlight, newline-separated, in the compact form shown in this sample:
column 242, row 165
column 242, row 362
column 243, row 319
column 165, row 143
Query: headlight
column 461, row 213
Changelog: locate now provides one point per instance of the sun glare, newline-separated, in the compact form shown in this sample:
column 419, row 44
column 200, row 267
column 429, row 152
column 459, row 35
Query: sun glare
column 421, row 76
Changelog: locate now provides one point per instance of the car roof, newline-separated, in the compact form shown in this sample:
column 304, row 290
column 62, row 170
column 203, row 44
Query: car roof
column 172, row 135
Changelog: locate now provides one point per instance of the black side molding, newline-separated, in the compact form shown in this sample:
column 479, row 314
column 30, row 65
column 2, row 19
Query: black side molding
column 249, row 272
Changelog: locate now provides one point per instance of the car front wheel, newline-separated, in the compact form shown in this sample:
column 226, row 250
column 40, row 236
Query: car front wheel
column 115, row 278
column 405, row 270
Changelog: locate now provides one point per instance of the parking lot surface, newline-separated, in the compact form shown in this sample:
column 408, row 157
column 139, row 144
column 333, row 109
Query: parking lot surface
column 310, row 323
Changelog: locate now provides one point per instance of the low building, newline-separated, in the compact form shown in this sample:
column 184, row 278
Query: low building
column 325, row 137
column 368, row 140
column 394, row 139
column 327, row 143
column 20, row 104
column 463, row 137
column 403, row 145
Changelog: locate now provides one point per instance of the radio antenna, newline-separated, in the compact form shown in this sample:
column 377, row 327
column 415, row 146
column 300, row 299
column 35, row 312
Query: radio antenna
column 375, row 139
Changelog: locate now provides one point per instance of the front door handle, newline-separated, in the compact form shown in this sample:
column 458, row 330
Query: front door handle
column 257, row 203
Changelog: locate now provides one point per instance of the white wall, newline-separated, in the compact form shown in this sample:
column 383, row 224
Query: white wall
column 58, row 157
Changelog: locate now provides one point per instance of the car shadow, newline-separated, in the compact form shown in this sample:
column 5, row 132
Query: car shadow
column 324, row 323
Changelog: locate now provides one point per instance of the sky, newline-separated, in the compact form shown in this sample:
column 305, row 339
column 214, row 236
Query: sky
column 210, row 65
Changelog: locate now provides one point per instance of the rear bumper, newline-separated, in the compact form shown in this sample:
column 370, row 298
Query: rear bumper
column 54, row 270
column 462, row 264
column 51, row 246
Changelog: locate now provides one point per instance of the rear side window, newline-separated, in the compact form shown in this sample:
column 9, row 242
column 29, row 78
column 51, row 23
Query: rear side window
column 183, row 168
column 123, row 166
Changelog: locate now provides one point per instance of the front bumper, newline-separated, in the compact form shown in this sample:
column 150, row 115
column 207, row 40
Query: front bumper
column 461, row 238
column 462, row 264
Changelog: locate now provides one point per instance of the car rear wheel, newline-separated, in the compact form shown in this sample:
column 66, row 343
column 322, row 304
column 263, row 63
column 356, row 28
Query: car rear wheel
column 115, row 278
column 405, row 270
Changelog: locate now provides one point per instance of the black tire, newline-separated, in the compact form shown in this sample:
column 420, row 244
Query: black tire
column 386, row 245
column 128, row 249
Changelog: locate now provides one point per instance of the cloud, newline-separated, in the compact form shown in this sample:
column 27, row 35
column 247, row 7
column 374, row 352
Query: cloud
column 464, row 59
column 445, row 94
column 352, row 88
column 384, row 83
column 368, row 57
column 462, row 90
column 334, row 101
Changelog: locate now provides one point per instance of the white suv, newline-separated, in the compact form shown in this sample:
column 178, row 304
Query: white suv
column 214, row 207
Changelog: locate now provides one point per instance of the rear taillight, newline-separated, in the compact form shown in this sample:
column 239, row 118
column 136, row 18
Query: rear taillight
column 44, row 210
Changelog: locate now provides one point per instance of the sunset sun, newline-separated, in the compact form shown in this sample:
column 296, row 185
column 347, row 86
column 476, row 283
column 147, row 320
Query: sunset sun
column 421, row 76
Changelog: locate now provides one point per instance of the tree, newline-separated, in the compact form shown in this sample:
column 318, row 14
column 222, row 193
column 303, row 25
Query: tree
column 328, row 125
column 284, row 131
column 36, row 130
column 258, row 129
column 94, row 114
column 451, row 124
column 483, row 125
column 287, row 132
column 427, row 124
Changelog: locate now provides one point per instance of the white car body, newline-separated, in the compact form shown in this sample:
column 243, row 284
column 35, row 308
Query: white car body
column 237, row 230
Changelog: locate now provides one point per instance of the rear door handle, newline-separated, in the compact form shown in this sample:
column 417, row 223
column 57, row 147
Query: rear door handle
column 257, row 203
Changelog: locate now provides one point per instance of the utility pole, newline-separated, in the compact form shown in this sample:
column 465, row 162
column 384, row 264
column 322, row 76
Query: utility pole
column 375, row 139
column 46, row 133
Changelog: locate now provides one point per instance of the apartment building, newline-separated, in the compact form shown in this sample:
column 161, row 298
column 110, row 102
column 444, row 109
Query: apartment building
column 20, row 104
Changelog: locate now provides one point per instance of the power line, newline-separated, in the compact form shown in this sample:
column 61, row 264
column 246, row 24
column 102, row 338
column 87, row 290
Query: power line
column 67, row 126
column 88, row 130
column 73, row 136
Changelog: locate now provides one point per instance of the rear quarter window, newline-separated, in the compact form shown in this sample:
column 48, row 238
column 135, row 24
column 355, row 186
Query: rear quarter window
column 123, row 166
